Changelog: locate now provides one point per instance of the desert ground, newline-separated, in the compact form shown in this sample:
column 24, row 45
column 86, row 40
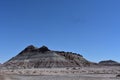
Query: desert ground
column 61, row 77
column 93, row 73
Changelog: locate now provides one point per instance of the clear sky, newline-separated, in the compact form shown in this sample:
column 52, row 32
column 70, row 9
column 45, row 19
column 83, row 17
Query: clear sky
column 88, row 27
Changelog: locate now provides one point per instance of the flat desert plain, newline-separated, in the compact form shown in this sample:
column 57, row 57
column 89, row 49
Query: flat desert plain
column 94, row 73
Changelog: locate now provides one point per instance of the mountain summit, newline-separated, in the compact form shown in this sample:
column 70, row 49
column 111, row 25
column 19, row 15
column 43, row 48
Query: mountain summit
column 43, row 57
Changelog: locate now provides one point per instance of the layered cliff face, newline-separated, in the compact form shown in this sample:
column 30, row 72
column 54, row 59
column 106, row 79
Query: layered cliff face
column 32, row 57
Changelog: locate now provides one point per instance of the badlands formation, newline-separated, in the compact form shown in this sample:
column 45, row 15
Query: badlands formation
column 44, row 64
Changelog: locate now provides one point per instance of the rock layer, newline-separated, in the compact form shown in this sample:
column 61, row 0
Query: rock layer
column 109, row 63
column 32, row 57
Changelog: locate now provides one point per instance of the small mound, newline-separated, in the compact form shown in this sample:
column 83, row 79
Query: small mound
column 109, row 63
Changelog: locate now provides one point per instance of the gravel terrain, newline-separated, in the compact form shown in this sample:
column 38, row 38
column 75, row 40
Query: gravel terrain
column 93, row 73
column 57, row 77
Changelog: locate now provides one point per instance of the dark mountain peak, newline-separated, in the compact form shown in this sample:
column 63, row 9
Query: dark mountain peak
column 43, row 49
column 32, row 49
column 29, row 48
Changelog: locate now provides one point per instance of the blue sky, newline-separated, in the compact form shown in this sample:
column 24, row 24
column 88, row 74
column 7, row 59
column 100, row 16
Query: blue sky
column 88, row 27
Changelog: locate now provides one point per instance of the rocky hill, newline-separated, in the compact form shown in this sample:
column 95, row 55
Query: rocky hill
column 109, row 63
column 32, row 57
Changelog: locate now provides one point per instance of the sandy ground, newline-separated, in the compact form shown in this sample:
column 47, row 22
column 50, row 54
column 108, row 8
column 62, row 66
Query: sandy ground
column 103, row 73
column 61, row 77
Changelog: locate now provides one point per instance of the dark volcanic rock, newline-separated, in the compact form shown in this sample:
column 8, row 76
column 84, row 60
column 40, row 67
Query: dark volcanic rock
column 109, row 63
column 43, row 49
column 32, row 57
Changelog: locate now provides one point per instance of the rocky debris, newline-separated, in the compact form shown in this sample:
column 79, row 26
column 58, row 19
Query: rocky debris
column 118, row 75
column 109, row 63
column 32, row 57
